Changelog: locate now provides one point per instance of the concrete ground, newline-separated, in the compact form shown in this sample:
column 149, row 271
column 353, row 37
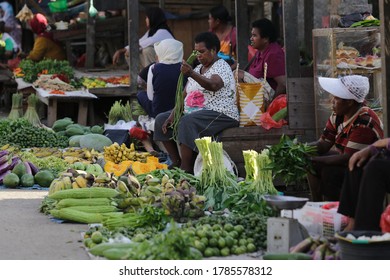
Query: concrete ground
column 27, row 234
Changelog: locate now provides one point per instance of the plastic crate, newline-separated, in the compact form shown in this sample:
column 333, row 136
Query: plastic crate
column 320, row 221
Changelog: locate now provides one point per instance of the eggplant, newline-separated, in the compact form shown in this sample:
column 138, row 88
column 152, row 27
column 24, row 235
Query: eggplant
column 3, row 175
column 4, row 167
column 3, row 159
column 3, row 153
column 33, row 167
column 28, row 168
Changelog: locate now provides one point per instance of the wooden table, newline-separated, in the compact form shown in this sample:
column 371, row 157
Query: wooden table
column 53, row 102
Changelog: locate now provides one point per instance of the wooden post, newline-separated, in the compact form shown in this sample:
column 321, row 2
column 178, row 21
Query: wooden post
column 384, row 15
column 291, row 40
column 242, row 25
column 133, row 11
column 309, row 26
column 90, row 40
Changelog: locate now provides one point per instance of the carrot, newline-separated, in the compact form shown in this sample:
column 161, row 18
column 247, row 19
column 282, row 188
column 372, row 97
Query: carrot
column 57, row 91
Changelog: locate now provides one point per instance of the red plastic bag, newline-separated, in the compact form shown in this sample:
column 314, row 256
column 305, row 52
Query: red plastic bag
column 277, row 104
column 385, row 220
column 138, row 133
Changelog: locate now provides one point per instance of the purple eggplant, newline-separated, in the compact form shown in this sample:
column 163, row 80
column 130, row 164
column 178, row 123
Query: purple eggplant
column 4, row 167
column 4, row 152
column 14, row 162
column 33, row 167
column 3, row 159
column 28, row 168
column 3, row 175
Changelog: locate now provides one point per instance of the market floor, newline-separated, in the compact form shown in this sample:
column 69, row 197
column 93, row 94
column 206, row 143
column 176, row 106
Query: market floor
column 27, row 234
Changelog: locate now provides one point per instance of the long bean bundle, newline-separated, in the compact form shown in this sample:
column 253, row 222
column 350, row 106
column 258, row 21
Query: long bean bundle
column 179, row 99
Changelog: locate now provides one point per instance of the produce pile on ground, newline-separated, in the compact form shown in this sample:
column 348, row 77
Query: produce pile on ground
column 143, row 209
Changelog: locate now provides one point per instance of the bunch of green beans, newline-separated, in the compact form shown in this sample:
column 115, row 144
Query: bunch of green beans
column 179, row 100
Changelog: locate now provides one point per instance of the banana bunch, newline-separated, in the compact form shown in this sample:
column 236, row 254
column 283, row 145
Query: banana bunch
column 78, row 153
column 105, row 180
column 118, row 153
column 71, row 180
column 78, row 179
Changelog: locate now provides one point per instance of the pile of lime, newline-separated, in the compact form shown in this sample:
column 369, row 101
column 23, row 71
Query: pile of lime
column 224, row 236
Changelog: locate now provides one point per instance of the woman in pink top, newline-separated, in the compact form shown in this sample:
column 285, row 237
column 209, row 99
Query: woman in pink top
column 263, row 39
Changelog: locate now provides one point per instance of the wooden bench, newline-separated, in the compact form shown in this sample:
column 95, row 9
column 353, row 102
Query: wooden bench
column 235, row 140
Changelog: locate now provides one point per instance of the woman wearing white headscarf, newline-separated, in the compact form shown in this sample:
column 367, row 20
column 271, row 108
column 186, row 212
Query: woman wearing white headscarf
column 162, row 78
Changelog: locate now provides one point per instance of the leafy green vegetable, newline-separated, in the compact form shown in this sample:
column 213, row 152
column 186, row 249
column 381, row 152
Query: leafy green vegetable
column 290, row 159
column 32, row 69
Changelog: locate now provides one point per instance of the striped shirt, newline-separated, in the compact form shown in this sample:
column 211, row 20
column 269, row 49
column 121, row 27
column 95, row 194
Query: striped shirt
column 358, row 132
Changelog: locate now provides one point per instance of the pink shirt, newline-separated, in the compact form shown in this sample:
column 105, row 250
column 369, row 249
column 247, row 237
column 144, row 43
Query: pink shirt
column 273, row 55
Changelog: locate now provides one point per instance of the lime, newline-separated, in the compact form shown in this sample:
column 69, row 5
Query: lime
column 228, row 227
column 87, row 242
column 225, row 252
column 250, row 240
column 242, row 242
column 204, row 240
column 216, row 251
column 97, row 237
column 216, row 227
column 229, row 241
column 199, row 245
column 213, row 242
column 208, row 252
column 251, row 247
column 234, row 234
column 239, row 228
column 201, row 233
column 221, row 243
column 217, row 234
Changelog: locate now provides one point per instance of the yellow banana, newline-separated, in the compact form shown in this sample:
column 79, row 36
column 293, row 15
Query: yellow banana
column 75, row 185
column 81, row 181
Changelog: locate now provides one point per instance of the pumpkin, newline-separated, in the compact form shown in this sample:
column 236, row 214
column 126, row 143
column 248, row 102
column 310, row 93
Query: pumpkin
column 117, row 168
column 150, row 165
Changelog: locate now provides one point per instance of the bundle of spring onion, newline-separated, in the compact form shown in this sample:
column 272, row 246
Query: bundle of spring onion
column 31, row 113
column 179, row 99
column 258, row 181
column 257, row 173
column 17, row 107
column 119, row 111
column 216, row 182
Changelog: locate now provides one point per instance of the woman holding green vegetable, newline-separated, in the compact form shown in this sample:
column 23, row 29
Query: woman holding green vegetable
column 209, row 104
column 351, row 127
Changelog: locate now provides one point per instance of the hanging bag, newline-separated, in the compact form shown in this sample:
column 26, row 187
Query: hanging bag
column 251, row 95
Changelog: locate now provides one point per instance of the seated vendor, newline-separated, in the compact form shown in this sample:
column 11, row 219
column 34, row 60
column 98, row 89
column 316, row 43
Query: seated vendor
column 350, row 128
column 270, row 53
column 162, row 81
column 8, row 46
column 209, row 104
column 45, row 47
column 365, row 186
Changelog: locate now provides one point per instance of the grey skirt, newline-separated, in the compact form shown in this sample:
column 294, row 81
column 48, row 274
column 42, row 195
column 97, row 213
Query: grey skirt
column 195, row 125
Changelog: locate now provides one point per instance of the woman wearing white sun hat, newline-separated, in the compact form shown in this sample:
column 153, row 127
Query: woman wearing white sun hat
column 351, row 127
